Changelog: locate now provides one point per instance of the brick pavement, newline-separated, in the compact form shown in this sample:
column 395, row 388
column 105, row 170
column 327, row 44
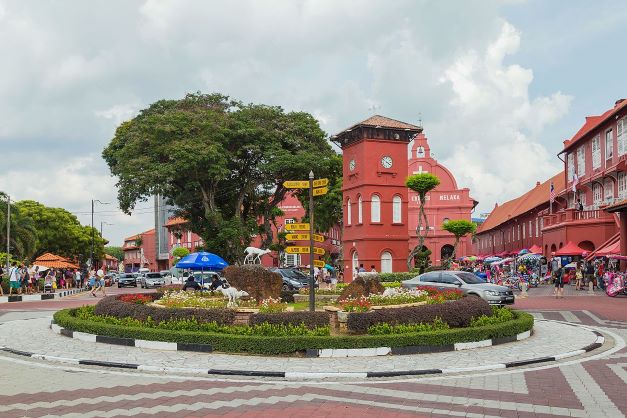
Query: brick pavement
column 592, row 388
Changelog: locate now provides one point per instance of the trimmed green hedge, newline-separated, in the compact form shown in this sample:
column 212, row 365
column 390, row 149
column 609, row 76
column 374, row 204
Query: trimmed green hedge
column 284, row 345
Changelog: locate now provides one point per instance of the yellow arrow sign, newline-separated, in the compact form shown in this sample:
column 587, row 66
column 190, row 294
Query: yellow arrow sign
column 304, row 237
column 297, row 227
column 320, row 191
column 319, row 263
column 320, row 182
column 296, row 184
column 303, row 250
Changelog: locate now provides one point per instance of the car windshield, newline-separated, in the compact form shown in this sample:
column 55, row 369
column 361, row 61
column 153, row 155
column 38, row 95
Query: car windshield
column 469, row 278
column 127, row 276
column 153, row 275
column 293, row 274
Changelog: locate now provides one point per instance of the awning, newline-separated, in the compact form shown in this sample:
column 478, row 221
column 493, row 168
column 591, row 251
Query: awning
column 54, row 261
column 570, row 249
column 609, row 249
column 535, row 249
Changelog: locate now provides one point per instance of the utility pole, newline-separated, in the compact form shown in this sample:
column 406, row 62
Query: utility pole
column 91, row 256
column 8, row 231
column 312, row 282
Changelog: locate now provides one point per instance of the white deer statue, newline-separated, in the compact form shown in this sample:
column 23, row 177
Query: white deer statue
column 254, row 254
column 232, row 294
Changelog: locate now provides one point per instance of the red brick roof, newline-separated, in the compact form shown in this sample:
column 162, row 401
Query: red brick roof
column 592, row 122
column 150, row 231
column 522, row 204
column 384, row 122
column 176, row 221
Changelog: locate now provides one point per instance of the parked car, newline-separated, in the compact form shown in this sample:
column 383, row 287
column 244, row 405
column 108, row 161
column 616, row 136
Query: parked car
column 151, row 279
column 205, row 278
column 128, row 279
column 468, row 283
column 293, row 279
column 108, row 280
column 167, row 276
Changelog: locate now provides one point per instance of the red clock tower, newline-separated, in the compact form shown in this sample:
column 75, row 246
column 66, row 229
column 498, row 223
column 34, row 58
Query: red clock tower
column 375, row 198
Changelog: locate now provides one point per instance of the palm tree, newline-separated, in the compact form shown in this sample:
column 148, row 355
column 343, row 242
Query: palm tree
column 23, row 241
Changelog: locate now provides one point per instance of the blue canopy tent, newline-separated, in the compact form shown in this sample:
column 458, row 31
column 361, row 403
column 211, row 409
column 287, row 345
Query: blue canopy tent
column 202, row 261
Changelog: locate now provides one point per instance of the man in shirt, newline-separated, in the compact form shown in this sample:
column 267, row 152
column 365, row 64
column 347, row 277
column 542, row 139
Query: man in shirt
column 14, row 279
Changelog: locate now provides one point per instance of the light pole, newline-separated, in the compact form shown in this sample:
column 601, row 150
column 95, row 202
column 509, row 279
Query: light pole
column 8, row 231
column 104, row 223
column 91, row 256
column 312, row 281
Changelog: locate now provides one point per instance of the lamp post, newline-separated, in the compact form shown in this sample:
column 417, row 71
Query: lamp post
column 312, row 281
column 104, row 223
column 91, row 255
column 8, row 231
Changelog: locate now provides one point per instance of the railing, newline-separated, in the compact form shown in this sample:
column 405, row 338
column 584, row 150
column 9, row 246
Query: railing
column 570, row 215
column 588, row 214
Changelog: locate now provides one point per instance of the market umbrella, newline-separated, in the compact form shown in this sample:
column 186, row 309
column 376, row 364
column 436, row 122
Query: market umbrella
column 471, row 258
column 529, row 256
column 329, row 267
column 570, row 249
column 202, row 261
column 535, row 249
column 523, row 251
column 492, row 259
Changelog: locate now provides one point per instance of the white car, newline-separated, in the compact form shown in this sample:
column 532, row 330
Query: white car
column 148, row 280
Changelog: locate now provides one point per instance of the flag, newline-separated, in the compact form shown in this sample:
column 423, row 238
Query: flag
column 575, row 182
column 552, row 195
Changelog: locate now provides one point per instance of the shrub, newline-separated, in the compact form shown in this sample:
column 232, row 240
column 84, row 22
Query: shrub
column 281, row 345
column 457, row 313
column 188, row 299
column 499, row 315
column 308, row 319
column 169, row 288
column 111, row 306
column 395, row 277
column 259, row 282
column 391, row 284
column 386, row 329
column 287, row 296
column 272, row 305
column 361, row 304
column 403, row 296
column 139, row 299
column 361, row 287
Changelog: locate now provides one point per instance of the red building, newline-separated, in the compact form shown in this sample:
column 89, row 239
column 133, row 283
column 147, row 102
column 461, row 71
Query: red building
column 595, row 174
column 445, row 202
column 140, row 252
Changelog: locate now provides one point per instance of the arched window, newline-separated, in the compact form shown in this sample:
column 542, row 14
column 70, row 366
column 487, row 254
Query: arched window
column 355, row 261
column 360, row 210
column 386, row 262
column 397, row 209
column 349, row 216
column 375, row 208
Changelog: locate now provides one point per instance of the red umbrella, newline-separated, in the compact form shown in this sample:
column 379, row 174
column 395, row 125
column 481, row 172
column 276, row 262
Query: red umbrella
column 535, row 249
column 570, row 249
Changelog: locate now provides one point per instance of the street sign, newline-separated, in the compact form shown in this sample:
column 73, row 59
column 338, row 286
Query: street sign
column 297, row 227
column 296, row 184
column 320, row 191
column 319, row 263
column 303, row 250
column 304, row 237
column 320, row 182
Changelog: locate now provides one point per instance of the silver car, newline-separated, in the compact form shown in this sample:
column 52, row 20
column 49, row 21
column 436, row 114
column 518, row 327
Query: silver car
column 149, row 280
column 468, row 283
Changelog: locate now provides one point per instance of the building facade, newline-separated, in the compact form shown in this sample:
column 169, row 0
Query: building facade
column 140, row 252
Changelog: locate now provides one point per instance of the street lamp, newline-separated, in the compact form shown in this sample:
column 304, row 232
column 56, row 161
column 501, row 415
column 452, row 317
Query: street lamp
column 91, row 256
column 104, row 223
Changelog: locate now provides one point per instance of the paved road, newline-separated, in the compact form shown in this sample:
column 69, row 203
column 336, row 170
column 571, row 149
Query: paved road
column 591, row 388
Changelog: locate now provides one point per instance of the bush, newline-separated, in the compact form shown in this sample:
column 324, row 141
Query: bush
column 362, row 287
column 456, row 314
column 287, row 296
column 499, row 315
column 281, row 345
column 259, row 282
column 395, row 277
column 309, row 319
column 385, row 329
column 111, row 306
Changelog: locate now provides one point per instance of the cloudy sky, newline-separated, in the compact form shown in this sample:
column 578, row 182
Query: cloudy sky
column 498, row 84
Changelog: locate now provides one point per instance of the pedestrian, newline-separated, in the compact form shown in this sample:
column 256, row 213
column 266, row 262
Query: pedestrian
column 559, row 283
column 578, row 277
column 94, row 281
column 14, row 279
column 372, row 269
column 579, row 205
column 50, row 281
column 101, row 282
column 77, row 279
column 361, row 268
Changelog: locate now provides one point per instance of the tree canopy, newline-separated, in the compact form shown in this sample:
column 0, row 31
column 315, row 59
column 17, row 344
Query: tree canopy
column 60, row 232
column 116, row 252
column 422, row 184
column 459, row 228
column 222, row 163
column 23, row 241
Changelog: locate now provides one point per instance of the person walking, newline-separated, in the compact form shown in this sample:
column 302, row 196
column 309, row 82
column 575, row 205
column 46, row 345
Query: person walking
column 559, row 283
column 77, row 279
column 96, row 283
column 14, row 279
column 578, row 277
column 101, row 281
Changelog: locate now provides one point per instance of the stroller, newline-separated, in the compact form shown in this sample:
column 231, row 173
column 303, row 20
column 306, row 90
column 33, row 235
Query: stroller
column 48, row 285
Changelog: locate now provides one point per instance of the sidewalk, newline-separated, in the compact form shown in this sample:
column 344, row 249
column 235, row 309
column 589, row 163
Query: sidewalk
column 39, row 296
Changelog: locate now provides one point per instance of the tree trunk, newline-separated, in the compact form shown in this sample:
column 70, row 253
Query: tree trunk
column 421, row 237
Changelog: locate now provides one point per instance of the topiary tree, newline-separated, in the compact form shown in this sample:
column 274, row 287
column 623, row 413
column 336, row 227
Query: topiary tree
column 459, row 228
column 179, row 252
column 422, row 184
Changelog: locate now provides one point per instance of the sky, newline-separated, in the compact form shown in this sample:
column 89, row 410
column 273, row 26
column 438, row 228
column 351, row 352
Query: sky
column 497, row 85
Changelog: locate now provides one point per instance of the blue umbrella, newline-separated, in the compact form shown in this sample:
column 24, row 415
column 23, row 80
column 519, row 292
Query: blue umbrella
column 523, row 251
column 329, row 267
column 202, row 261
column 492, row 259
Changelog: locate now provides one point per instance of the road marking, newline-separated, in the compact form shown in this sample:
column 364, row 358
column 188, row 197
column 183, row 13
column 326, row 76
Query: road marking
column 589, row 393
column 569, row 316
column 594, row 317
column 537, row 315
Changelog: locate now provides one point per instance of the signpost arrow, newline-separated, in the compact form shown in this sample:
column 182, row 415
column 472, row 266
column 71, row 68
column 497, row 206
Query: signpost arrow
column 304, row 250
column 320, row 191
column 296, row 184
column 319, row 263
column 304, row 237
column 320, row 182
column 297, row 227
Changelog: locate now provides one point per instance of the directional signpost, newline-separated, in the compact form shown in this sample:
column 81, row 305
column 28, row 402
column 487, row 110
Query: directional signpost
column 316, row 188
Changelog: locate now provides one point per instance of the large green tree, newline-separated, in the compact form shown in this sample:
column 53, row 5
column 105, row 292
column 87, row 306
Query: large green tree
column 459, row 228
column 60, row 232
column 23, row 235
column 116, row 252
column 422, row 184
column 221, row 162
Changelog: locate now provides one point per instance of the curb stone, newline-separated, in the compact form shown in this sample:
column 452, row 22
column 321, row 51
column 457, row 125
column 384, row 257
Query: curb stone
column 39, row 297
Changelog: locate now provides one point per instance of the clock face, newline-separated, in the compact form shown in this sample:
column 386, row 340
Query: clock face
column 351, row 165
column 386, row 162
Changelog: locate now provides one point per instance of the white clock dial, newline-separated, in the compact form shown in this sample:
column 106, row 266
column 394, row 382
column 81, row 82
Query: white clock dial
column 386, row 162
column 351, row 165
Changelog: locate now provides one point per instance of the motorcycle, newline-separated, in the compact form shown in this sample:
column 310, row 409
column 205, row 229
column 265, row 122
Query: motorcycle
column 615, row 286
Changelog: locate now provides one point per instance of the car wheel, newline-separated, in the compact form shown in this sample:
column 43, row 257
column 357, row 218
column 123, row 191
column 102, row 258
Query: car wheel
column 135, row 285
column 285, row 288
column 119, row 286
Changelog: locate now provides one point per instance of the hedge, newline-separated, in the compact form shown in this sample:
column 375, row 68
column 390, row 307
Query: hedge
column 111, row 306
column 283, row 345
column 393, row 277
column 309, row 319
column 457, row 313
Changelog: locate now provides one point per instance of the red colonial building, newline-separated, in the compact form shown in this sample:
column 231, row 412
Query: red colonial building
column 380, row 213
column 595, row 174
column 140, row 252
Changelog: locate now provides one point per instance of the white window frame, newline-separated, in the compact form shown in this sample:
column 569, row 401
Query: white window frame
column 596, row 151
column 570, row 166
column 290, row 221
column 349, row 214
column 537, row 227
column 622, row 185
column 621, row 136
column 597, row 195
column 360, row 210
column 397, row 209
column 386, row 262
column 524, row 230
column 609, row 144
column 375, row 208
column 581, row 161
column 292, row 260
column 608, row 190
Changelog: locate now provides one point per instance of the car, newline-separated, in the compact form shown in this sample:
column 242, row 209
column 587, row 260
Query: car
column 151, row 279
column 205, row 278
column 293, row 279
column 167, row 276
column 128, row 279
column 468, row 283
